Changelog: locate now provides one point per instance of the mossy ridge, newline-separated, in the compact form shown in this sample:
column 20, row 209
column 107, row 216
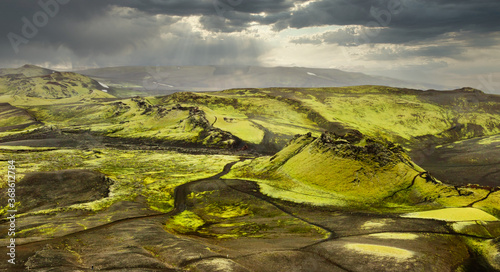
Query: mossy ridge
column 359, row 173
column 408, row 113
column 138, row 118
column 15, row 119
column 396, row 114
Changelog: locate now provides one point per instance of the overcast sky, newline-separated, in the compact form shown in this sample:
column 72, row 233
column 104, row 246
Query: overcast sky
column 446, row 42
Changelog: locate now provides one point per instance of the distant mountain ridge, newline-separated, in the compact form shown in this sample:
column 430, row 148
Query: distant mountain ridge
column 26, row 70
column 157, row 80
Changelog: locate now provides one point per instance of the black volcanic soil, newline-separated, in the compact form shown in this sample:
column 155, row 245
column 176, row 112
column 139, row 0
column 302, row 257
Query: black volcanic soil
column 464, row 162
column 46, row 190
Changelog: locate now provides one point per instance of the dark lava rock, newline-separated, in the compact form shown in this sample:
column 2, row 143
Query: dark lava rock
column 46, row 190
column 348, row 145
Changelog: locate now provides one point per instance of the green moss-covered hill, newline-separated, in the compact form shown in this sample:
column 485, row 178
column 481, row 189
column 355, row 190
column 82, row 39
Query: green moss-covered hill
column 32, row 85
column 136, row 118
column 351, row 170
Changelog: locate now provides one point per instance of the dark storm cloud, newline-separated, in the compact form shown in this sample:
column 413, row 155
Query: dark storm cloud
column 423, row 18
column 430, row 52
column 402, row 21
column 354, row 36
column 96, row 28
column 222, row 24
column 87, row 32
column 204, row 7
column 84, row 29
column 467, row 24
column 479, row 15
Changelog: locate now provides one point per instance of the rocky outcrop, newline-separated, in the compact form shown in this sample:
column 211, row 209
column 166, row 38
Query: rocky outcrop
column 353, row 144
column 208, row 135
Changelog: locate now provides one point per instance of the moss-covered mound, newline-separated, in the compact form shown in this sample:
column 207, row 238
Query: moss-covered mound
column 333, row 169
column 356, row 171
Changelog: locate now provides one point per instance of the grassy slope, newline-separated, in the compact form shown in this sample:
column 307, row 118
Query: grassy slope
column 154, row 117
